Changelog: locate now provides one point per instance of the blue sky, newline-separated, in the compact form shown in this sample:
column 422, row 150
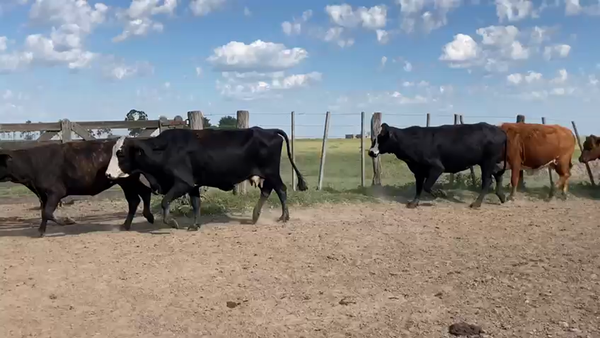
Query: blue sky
column 488, row 60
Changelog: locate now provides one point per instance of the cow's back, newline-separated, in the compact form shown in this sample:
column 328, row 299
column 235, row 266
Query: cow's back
column 536, row 144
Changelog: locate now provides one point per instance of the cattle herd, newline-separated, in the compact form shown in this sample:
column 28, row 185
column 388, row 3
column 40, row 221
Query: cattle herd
column 180, row 161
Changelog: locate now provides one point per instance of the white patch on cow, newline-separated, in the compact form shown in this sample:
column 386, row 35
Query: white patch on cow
column 375, row 148
column 256, row 181
column 114, row 171
column 145, row 181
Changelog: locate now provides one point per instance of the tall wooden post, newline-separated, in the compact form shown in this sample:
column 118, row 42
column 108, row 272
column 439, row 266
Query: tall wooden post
column 587, row 166
column 452, row 175
column 473, row 180
column 292, row 146
column 65, row 128
column 521, row 184
column 362, row 149
column 549, row 170
column 428, row 120
column 323, row 151
column 243, row 122
column 195, row 119
column 375, row 129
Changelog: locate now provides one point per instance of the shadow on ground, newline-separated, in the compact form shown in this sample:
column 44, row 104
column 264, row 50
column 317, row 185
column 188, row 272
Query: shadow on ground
column 27, row 227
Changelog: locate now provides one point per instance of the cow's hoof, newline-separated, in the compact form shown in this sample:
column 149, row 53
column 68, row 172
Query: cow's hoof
column 411, row 205
column 502, row 198
column 193, row 228
column 41, row 234
column 475, row 205
column 124, row 228
column 149, row 218
column 283, row 218
column 172, row 223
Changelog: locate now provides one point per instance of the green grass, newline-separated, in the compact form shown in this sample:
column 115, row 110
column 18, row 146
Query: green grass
column 341, row 183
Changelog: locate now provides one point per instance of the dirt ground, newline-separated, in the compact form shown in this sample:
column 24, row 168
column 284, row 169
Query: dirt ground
column 523, row 269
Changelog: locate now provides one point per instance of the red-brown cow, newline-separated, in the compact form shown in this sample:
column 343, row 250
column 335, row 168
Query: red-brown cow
column 591, row 149
column 535, row 146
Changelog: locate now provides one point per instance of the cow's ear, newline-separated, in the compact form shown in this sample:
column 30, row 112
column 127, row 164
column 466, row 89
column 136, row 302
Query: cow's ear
column 384, row 130
column 595, row 140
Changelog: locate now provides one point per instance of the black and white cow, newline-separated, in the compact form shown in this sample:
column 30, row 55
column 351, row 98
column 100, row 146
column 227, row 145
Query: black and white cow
column 54, row 171
column 179, row 161
column 431, row 151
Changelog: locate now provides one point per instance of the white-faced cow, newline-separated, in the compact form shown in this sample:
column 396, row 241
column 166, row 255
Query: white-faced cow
column 179, row 161
column 54, row 171
column 431, row 151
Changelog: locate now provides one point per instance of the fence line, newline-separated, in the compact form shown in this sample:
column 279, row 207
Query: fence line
column 64, row 129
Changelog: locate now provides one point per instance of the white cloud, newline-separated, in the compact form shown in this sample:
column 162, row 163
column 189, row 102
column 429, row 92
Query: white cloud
column 407, row 66
column 138, row 17
column 167, row 85
column 515, row 78
column 334, row 34
column 295, row 26
column 198, row 71
column 259, row 55
column 118, row 70
column 253, row 86
column 55, row 51
column 383, row 36
column 394, row 98
column 69, row 12
column 573, row 7
column 561, row 51
column 247, row 12
column 413, row 14
column 3, row 43
column 462, row 48
column 383, row 61
column 12, row 62
column 561, row 77
column 204, row 7
column 370, row 18
column 514, row 10
column 593, row 80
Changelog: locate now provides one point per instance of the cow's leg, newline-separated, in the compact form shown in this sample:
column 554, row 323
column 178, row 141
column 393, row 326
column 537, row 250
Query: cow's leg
column 563, row 170
column 434, row 173
column 177, row 190
column 133, row 200
column 195, row 202
column 514, row 180
column 265, row 192
column 419, row 179
column 486, row 180
column 146, row 195
column 50, row 205
column 281, row 191
column 499, row 176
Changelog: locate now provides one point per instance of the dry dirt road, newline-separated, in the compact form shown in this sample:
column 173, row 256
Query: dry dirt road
column 526, row 269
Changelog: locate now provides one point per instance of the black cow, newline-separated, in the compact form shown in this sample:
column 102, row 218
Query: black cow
column 179, row 161
column 54, row 171
column 431, row 151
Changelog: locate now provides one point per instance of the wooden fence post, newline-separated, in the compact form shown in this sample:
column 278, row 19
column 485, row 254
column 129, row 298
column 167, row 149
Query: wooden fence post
column 549, row 170
column 473, row 180
column 195, row 120
column 243, row 122
column 587, row 166
column 323, row 151
column 362, row 149
column 65, row 128
column 428, row 120
column 375, row 129
column 292, row 146
column 521, row 184
column 452, row 175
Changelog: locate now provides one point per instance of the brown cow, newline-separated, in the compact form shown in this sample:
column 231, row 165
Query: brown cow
column 535, row 146
column 591, row 149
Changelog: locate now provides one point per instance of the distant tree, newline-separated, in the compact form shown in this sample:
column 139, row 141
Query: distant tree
column 136, row 115
column 206, row 122
column 228, row 122
column 28, row 135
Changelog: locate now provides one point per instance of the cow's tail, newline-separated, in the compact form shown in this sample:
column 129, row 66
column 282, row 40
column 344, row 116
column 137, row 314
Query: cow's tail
column 301, row 182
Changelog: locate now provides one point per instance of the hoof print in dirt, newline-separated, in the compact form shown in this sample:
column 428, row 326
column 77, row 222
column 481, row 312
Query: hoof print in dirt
column 464, row 329
column 232, row 305
column 347, row 301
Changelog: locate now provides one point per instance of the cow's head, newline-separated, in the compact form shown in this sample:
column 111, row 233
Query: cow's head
column 5, row 160
column 591, row 149
column 380, row 144
column 126, row 154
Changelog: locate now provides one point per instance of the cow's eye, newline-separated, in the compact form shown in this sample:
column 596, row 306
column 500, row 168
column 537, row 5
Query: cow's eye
column 119, row 153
